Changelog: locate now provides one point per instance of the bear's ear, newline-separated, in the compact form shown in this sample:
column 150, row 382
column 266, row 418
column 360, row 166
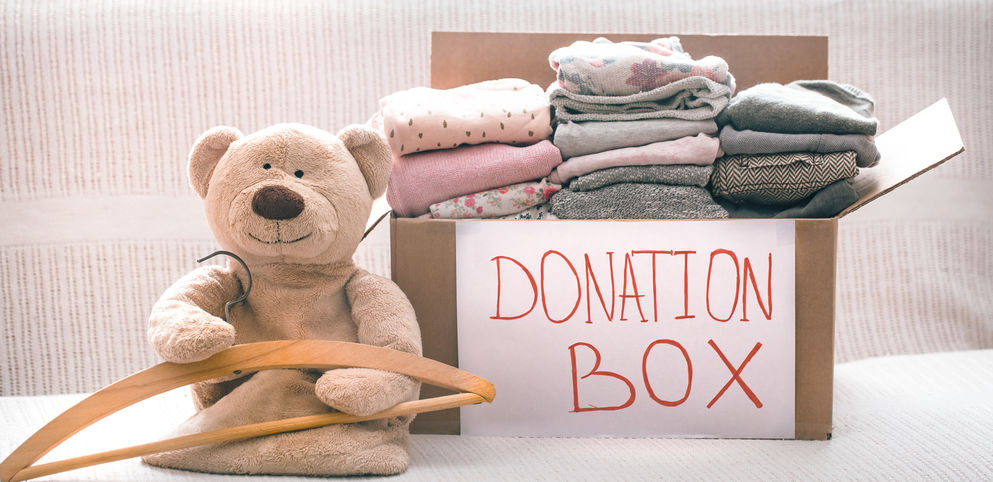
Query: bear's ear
column 209, row 149
column 368, row 147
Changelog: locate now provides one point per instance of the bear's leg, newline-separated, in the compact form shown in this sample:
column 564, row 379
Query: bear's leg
column 375, row 447
column 208, row 392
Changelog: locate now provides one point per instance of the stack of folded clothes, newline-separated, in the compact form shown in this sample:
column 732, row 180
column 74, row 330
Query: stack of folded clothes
column 792, row 149
column 479, row 150
column 635, row 123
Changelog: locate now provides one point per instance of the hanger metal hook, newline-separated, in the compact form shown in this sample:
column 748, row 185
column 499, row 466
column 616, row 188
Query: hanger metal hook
column 227, row 306
column 248, row 289
column 381, row 217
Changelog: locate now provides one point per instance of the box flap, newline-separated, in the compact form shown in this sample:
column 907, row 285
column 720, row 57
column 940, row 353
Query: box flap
column 459, row 58
column 908, row 150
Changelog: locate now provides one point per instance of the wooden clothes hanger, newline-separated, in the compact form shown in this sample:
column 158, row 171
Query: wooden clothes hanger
column 308, row 354
column 250, row 357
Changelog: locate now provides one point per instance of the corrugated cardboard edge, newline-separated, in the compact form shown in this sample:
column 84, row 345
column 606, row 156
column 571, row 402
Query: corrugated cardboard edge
column 920, row 143
column 425, row 269
column 816, row 254
column 459, row 58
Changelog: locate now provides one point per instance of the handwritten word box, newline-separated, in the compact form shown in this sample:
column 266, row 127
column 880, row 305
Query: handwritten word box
column 629, row 329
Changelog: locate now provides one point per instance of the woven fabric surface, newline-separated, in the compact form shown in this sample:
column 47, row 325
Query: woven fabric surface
column 779, row 179
column 896, row 418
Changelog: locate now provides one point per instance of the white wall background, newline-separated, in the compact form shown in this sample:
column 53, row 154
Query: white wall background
column 101, row 101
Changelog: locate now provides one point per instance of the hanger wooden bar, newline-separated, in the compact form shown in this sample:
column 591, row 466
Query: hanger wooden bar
column 244, row 432
column 308, row 354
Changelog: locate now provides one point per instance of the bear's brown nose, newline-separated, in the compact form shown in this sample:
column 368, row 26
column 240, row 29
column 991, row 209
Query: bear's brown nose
column 277, row 202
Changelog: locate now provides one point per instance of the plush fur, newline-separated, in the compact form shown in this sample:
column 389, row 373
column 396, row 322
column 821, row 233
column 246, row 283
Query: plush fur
column 293, row 202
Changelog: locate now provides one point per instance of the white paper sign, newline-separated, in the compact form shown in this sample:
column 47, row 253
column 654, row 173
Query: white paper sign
column 629, row 329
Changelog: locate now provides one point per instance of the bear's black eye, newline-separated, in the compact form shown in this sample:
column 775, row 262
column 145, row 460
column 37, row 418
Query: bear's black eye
column 298, row 173
column 266, row 166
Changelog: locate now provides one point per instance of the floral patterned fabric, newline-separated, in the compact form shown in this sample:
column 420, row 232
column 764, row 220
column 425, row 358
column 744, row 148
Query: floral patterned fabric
column 497, row 202
column 541, row 211
column 602, row 67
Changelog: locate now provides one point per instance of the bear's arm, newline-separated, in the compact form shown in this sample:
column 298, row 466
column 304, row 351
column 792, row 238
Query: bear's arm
column 186, row 324
column 385, row 318
column 382, row 313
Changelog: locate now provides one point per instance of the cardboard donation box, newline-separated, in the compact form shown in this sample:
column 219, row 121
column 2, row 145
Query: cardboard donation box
column 683, row 328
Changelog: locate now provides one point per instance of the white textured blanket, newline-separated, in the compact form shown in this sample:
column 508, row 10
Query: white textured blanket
column 901, row 418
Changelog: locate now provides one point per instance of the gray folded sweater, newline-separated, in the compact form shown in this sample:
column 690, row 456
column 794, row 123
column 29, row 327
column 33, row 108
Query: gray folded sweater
column 827, row 202
column 672, row 174
column 845, row 94
column 637, row 201
column 692, row 98
column 802, row 107
column 734, row 141
column 581, row 138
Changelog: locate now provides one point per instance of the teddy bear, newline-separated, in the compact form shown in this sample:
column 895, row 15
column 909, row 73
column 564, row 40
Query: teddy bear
column 292, row 201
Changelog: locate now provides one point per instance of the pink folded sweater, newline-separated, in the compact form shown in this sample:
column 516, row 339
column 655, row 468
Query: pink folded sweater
column 700, row 150
column 508, row 111
column 420, row 180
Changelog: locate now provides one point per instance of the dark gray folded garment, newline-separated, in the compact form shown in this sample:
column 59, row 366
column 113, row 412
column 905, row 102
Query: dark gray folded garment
column 779, row 179
column 580, row 138
column 637, row 201
column 671, row 174
column 734, row 141
column 802, row 107
column 827, row 202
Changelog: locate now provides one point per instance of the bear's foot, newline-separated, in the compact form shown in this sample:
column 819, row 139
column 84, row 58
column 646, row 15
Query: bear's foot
column 377, row 447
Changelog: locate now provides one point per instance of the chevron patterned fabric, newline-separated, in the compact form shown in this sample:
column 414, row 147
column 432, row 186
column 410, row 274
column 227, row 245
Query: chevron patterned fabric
column 779, row 179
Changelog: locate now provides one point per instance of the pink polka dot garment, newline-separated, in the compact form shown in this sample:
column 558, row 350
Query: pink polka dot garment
column 507, row 111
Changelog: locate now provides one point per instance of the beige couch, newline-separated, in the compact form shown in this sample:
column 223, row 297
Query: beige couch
column 101, row 102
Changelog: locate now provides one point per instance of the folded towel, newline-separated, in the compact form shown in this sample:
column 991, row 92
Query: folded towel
column 734, row 141
column 602, row 67
column 779, row 179
column 802, row 107
column 508, row 111
column 637, row 201
column 420, row 180
column 579, row 138
column 827, row 202
column 675, row 175
column 700, row 149
column 492, row 203
column 692, row 98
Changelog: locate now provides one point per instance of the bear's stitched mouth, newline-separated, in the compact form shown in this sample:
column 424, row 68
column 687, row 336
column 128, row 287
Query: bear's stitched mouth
column 279, row 241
